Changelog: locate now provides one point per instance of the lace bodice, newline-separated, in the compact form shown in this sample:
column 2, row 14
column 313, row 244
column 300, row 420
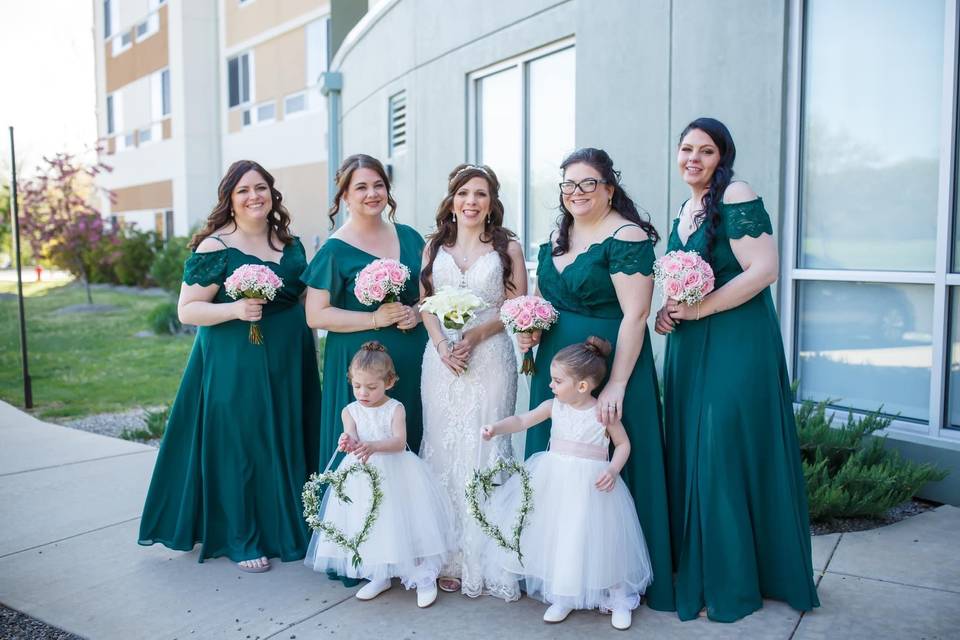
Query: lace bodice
column 484, row 278
column 373, row 423
column 577, row 425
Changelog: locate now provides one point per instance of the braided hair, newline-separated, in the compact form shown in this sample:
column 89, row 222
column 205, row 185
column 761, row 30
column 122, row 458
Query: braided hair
column 709, row 213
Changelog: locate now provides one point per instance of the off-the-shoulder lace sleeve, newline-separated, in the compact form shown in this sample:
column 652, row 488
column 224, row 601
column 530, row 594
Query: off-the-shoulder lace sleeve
column 746, row 219
column 322, row 272
column 205, row 268
column 630, row 257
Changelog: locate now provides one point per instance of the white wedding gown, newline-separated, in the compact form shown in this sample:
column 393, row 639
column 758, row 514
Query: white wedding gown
column 454, row 409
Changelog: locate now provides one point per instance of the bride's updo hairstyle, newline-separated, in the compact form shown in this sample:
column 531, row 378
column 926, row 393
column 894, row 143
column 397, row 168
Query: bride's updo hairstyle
column 373, row 358
column 585, row 360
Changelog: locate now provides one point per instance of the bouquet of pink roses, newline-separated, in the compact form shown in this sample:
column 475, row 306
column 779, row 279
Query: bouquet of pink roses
column 253, row 281
column 381, row 281
column 526, row 314
column 684, row 276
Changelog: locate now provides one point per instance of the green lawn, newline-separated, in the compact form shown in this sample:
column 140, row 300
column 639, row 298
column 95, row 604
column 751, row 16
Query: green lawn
column 84, row 363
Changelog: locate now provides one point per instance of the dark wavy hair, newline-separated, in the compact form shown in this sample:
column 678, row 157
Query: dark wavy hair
column 620, row 202
column 278, row 219
column 493, row 230
column 721, row 178
column 345, row 174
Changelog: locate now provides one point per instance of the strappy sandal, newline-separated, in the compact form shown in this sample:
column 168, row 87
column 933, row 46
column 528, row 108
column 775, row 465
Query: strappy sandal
column 449, row 585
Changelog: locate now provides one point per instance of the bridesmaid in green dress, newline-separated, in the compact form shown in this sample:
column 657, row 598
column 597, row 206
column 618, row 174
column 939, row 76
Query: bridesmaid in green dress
column 738, row 502
column 596, row 271
column 244, row 429
column 363, row 186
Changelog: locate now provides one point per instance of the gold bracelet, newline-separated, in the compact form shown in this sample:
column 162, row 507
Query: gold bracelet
column 373, row 317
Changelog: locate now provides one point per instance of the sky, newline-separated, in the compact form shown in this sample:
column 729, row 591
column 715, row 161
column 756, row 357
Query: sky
column 47, row 90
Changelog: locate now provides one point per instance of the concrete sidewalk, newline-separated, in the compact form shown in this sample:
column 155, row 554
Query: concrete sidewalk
column 69, row 511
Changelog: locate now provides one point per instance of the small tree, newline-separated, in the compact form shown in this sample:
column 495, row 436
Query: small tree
column 58, row 216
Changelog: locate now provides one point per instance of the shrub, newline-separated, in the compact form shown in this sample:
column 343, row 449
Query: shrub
column 848, row 476
column 135, row 257
column 167, row 267
column 101, row 259
column 163, row 319
column 155, row 424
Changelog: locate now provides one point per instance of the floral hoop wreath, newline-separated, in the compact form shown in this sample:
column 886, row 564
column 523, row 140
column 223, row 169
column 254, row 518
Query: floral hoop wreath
column 483, row 480
column 313, row 494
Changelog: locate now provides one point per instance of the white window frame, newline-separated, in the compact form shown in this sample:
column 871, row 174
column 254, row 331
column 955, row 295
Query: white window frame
column 125, row 140
column 117, row 45
column 521, row 61
column 152, row 24
column 156, row 94
column 287, row 114
column 251, row 80
column 111, row 18
column 940, row 278
column 110, row 115
column 253, row 111
column 156, row 4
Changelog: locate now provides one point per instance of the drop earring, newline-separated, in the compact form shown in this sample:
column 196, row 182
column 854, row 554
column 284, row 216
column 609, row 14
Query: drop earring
column 488, row 219
column 453, row 217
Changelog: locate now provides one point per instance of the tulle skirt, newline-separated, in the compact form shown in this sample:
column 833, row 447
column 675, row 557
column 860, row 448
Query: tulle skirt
column 582, row 548
column 410, row 538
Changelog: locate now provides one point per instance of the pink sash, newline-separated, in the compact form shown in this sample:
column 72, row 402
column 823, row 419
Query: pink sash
column 578, row 449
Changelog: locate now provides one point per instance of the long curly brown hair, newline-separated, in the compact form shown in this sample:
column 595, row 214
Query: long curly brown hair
column 620, row 201
column 345, row 174
column 493, row 231
column 278, row 219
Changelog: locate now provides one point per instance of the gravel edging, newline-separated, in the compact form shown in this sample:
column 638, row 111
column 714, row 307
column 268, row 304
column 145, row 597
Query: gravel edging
column 113, row 424
column 15, row 625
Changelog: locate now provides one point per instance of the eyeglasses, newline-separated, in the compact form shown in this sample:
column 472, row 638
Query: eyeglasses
column 588, row 185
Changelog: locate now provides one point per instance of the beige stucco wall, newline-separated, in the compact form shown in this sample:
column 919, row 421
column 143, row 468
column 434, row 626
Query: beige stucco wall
column 242, row 22
column 304, row 195
column 153, row 195
column 280, row 66
column 141, row 59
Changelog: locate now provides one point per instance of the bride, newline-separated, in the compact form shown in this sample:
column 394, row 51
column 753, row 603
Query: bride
column 469, row 382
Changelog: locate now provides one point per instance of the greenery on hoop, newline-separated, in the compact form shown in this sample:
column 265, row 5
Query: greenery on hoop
column 484, row 480
column 313, row 494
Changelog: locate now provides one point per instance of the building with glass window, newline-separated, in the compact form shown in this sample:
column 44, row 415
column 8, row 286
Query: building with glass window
column 845, row 119
column 186, row 87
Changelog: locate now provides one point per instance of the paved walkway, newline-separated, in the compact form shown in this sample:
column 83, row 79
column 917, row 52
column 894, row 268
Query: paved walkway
column 69, row 510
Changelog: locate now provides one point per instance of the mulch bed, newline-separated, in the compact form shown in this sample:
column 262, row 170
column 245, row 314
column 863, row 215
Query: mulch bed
column 896, row 514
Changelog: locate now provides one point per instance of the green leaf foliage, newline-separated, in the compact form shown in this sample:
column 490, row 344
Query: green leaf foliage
column 848, row 470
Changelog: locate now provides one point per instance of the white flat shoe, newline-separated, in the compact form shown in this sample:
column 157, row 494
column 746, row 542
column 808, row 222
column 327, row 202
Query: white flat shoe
column 426, row 596
column 621, row 619
column 556, row 613
column 372, row 589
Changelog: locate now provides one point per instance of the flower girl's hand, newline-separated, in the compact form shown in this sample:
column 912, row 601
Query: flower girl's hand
column 363, row 451
column 527, row 341
column 487, row 431
column 606, row 480
column 346, row 443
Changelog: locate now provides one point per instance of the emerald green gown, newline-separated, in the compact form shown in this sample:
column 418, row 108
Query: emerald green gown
column 586, row 300
column 738, row 502
column 243, row 432
column 334, row 269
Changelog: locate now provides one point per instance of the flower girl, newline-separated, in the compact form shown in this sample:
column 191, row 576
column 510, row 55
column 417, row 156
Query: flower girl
column 582, row 544
column 410, row 537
